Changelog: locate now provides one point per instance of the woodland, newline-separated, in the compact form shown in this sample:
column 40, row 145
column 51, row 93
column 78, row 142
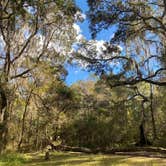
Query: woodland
column 121, row 109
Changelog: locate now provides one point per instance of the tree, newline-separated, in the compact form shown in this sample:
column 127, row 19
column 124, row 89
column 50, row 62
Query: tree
column 137, row 24
column 31, row 35
column 136, row 53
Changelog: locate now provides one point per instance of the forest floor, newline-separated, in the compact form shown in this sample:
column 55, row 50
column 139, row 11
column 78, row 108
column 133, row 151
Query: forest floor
column 80, row 159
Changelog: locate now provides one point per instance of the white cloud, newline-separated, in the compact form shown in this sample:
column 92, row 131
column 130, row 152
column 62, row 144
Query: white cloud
column 77, row 28
column 100, row 47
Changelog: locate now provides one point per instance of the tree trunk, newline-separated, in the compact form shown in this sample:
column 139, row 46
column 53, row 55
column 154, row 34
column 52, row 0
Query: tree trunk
column 3, row 120
column 37, row 135
column 29, row 130
column 23, row 119
column 143, row 137
column 47, row 155
column 152, row 113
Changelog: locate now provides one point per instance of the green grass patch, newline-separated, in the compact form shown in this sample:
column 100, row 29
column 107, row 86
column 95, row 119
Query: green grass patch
column 13, row 159
column 78, row 159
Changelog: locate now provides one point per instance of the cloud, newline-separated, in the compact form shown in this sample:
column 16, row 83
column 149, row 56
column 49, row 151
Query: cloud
column 77, row 28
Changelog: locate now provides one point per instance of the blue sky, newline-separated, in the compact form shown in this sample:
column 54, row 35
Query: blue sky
column 74, row 72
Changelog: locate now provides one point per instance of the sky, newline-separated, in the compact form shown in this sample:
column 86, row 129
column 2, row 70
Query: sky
column 75, row 73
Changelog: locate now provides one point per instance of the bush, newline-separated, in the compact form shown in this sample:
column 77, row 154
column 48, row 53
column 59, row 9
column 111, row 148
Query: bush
column 94, row 132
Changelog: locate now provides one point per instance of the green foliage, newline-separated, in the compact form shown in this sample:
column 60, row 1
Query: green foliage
column 96, row 131
column 67, row 6
column 109, row 118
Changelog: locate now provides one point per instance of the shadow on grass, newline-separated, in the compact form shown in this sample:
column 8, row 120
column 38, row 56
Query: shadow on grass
column 132, row 161
column 78, row 159
column 58, row 159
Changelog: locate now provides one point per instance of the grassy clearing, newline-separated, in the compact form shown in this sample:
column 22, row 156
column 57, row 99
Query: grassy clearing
column 13, row 159
column 79, row 159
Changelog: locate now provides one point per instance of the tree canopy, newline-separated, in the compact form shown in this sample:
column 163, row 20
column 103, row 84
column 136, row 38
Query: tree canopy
column 137, row 50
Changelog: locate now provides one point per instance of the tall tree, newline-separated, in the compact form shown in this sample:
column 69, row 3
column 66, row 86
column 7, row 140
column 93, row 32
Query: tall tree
column 32, row 33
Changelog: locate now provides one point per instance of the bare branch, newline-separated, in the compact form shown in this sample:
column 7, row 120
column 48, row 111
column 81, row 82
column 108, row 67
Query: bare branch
column 21, row 74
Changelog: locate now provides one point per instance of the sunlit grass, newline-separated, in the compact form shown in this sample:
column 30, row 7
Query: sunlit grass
column 78, row 159
column 13, row 159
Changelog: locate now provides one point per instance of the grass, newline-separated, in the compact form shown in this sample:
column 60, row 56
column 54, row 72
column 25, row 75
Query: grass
column 78, row 159
column 13, row 159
